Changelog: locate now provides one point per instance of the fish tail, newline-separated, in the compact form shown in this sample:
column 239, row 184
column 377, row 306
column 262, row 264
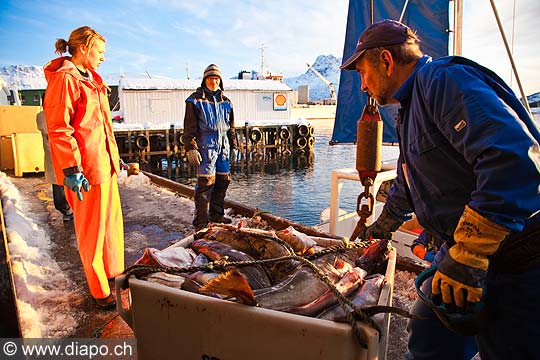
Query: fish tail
column 231, row 283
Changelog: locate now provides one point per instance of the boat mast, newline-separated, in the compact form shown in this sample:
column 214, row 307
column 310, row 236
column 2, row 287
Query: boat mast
column 458, row 28
column 403, row 11
column 510, row 56
column 371, row 12
column 263, row 66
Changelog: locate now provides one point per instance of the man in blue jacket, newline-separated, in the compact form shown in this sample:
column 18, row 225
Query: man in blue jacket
column 469, row 168
column 209, row 135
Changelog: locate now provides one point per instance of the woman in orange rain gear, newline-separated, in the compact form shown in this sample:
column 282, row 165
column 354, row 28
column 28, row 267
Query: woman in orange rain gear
column 85, row 156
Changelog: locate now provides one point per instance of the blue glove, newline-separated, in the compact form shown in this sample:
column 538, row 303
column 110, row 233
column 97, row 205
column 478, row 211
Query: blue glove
column 75, row 182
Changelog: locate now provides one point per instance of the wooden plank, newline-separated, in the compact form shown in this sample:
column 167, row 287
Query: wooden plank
column 9, row 316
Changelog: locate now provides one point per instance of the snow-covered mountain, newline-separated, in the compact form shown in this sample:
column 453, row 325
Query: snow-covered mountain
column 28, row 77
column 534, row 98
column 23, row 77
column 328, row 66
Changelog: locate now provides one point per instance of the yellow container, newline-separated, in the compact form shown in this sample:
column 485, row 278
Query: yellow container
column 14, row 119
column 28, row 154
column 6, row 153
column 18, row 119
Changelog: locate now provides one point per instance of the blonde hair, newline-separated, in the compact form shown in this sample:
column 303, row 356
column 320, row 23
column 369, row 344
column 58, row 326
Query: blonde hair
column 84, row 35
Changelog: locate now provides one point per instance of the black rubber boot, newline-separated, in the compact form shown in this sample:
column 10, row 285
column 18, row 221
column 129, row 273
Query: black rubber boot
column 217, row 200
column 60, row 202
column 203, row 193
column 107, row 303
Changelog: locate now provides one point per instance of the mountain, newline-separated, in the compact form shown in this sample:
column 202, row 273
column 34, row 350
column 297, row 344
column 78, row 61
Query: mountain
column 534, row 98
column 328, row 66
column 29, row 77
column 23, row 77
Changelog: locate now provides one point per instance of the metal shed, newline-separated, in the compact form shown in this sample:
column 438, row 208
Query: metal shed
column 161, row 102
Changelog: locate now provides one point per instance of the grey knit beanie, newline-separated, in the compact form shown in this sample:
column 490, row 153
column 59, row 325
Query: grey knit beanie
column 212, row 70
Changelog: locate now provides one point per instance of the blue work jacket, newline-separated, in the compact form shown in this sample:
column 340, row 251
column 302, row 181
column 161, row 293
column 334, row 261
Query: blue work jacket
column 465, row 138
column 209, row 123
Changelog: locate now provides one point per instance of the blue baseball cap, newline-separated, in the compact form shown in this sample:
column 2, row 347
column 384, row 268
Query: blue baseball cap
column 383, row 33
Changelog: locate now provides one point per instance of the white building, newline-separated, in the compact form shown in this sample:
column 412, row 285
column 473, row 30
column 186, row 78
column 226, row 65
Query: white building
column 158, row 103
column 4, row 92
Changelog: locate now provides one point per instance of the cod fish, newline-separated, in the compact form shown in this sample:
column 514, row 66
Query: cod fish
column 346, row 285
column 173, row 256
column 367, row 295
column 200, row 260
column 300, row 242
column 334, row 265
column 259, row 247
column 215, row 250
column 298, row 289
column 170, row 280
column 303, row 285
column 374, row 259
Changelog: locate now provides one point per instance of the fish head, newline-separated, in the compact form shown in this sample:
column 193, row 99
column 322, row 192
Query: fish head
column 375, row 257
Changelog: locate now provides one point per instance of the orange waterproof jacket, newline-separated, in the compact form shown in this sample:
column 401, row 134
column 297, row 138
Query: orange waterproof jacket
column 79, row 123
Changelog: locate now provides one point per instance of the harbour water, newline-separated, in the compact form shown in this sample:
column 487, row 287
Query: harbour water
column 302, row 191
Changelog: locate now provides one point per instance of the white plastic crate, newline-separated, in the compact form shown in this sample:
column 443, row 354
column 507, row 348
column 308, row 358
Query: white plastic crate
column 174, row 324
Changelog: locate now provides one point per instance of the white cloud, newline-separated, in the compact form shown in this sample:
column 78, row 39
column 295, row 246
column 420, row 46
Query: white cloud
column 168, row 34
column 482, row 40
column 138, row 61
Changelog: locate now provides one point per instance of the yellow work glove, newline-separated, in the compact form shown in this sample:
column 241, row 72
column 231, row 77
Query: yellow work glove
column 461, row 275
column 194, row 157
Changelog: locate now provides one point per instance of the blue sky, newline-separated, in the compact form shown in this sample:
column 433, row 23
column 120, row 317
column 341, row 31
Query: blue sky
column 165, row 37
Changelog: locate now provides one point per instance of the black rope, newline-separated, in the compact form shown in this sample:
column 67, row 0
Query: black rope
column 99, row 330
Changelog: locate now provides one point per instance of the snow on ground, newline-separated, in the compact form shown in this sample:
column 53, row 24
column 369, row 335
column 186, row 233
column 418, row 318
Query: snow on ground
column 136, row 182
column 43, row 291
column 46, row 296
column 49, row 302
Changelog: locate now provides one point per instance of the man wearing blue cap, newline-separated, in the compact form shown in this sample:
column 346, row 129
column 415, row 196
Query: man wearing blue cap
column 469, row 168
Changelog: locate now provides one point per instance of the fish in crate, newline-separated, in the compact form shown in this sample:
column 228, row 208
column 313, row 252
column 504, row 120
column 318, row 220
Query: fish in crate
column 279, row 270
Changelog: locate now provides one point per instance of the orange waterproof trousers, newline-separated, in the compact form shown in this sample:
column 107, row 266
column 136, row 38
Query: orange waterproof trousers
column 99, row 229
